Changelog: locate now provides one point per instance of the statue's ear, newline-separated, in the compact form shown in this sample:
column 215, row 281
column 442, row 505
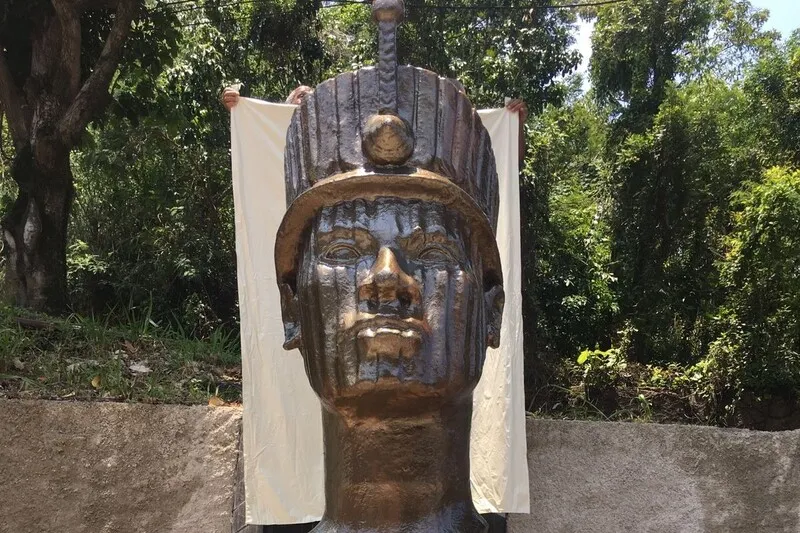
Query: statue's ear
column 495, row 299
column 291, row 318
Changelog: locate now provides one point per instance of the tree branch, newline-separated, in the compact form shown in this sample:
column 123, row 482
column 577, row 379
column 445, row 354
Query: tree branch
column 94, row 94
column 3, row 158
column 70, row 64
column 14, row 104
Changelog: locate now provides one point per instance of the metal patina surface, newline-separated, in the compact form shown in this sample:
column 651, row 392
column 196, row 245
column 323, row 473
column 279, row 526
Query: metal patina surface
column 391, row 287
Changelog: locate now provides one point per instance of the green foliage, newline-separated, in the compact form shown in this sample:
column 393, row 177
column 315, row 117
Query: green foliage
column 735, row 39
column 773, row 94
column 495, row 52
column 758, row 352
column 640, row 48
column 7, row 194
column 153, row 220
column 601, row 368
column 569, row 287
column 604, row 385
column 635, row 49
column 670, row 189
column 696, row 100
column 152, row 42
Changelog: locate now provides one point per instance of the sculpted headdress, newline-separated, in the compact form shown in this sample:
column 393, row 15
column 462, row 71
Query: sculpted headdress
column 390, row 131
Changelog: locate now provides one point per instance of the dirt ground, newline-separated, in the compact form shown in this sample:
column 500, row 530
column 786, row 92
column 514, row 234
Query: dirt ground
column 116, row 468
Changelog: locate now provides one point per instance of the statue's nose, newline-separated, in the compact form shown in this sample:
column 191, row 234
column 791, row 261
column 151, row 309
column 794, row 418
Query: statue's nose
column 388, row 285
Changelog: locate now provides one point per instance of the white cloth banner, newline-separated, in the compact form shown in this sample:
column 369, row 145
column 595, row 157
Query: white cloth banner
column 283, row 463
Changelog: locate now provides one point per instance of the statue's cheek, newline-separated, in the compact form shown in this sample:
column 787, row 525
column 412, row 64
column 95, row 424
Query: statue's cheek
column 335, row 287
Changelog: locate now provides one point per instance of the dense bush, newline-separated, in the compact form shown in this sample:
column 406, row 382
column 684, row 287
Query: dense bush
column 671, row 186
column 569, row 291
column 757, row 356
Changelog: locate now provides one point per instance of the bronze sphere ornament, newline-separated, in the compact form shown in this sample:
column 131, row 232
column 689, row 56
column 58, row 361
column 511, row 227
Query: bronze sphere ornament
column 388, row 140
column 391, row 287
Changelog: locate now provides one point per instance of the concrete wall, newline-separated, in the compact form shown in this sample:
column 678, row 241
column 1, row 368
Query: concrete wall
column 118, row 468
column 615, row 478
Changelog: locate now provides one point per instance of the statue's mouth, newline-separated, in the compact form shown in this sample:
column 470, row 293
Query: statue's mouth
column 371, row 333
column 386, row 324
column 389, row 337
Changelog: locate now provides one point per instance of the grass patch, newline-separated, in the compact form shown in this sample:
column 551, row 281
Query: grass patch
column 84, row 359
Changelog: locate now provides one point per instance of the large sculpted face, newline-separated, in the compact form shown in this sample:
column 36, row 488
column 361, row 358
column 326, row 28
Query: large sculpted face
column 390, row 303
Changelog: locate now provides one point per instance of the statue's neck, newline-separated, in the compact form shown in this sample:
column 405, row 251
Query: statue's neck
column 399, row 474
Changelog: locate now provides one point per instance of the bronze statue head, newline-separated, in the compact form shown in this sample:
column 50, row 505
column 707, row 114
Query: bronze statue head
column 390, row 279
column 390, row 301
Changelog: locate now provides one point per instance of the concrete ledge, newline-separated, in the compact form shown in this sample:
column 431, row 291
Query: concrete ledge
column 116, row 468
column 594, row 477
column 131, row 468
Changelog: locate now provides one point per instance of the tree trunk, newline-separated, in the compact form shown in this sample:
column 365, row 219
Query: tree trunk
column 35, row 229
column 48, row 107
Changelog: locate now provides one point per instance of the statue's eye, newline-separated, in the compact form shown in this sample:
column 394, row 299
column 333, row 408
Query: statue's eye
column 435, row 254
column 341, row 252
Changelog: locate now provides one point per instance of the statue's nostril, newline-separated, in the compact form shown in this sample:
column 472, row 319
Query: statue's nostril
column 405, row 300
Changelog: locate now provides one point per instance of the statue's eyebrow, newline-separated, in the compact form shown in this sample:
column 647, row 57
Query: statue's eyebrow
column 436, row 234
column 358, row 236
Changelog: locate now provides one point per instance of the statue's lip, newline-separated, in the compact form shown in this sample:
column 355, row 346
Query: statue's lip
column 371, row 333
column 381, row 324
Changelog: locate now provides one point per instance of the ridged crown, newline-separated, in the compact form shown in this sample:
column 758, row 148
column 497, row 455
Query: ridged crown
column 326, row 135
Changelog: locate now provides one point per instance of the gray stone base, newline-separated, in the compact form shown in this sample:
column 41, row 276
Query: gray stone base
column 124, row 468
column 601, row 477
